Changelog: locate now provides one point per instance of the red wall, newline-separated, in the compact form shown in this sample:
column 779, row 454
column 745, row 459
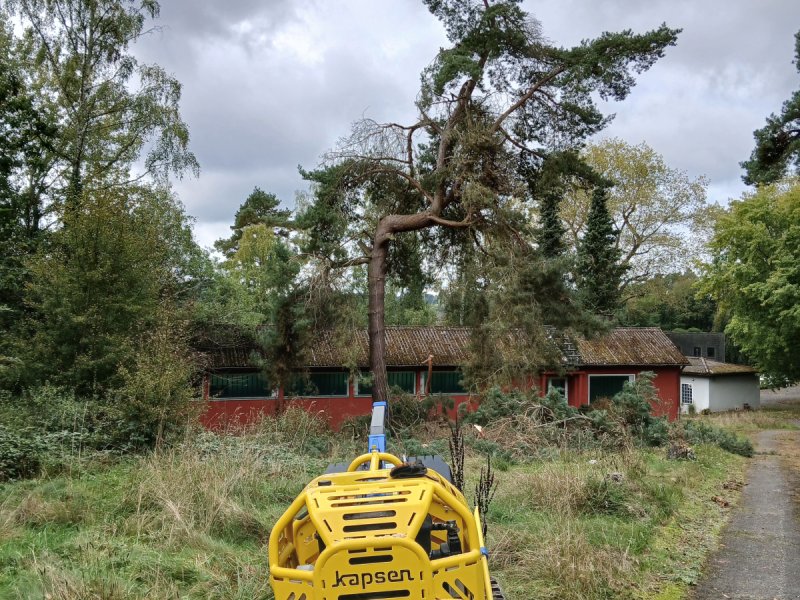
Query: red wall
column 220, row 414
column 233, row 412
column 667, row 381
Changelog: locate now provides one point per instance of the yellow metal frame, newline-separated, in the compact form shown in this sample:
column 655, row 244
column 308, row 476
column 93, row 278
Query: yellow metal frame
column 355, row 533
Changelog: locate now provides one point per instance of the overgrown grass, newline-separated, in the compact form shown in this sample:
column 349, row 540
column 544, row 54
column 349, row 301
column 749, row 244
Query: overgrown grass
column 776, row 416
column 601, row 525
column 193, row 521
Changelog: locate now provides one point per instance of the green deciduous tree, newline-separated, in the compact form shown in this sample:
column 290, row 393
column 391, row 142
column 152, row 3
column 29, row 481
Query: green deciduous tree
column 26, row 135
column 155, row 392
column 259, row 209
column 670, row 302
column 110, row 109
column 598, row 271
column 100, row 283
column 658, row 212
column 777, row 150
column 261, row 260
column 98, row 261
column 499, row 96
column 755, row 277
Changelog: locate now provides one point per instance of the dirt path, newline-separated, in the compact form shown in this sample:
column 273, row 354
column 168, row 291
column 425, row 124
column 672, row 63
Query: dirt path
column 759, row 558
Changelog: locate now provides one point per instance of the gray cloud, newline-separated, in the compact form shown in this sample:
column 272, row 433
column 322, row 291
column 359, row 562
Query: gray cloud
column 270, row 85
column 699, row 105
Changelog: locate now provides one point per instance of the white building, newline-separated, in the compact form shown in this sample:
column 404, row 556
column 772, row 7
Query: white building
column 718, row 386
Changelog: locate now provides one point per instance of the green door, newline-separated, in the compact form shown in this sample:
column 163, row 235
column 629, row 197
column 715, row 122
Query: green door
column 605, row 386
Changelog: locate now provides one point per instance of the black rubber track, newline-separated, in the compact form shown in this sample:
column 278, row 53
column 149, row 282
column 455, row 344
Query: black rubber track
column 497, row 593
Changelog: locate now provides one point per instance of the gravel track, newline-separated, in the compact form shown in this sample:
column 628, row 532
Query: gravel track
column 759, row 556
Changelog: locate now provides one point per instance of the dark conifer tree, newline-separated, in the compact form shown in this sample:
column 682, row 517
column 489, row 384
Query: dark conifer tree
column 777, row 151
column 551, row 231
column 598, row 272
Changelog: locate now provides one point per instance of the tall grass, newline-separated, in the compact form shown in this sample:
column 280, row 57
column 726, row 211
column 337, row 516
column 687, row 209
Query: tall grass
column 192, row 520
column 187, row 521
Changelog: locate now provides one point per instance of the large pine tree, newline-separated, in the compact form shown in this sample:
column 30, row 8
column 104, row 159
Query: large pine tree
column 499, row 96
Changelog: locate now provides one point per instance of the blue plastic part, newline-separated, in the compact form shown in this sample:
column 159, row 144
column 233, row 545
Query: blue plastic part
column 484, row 551
column 377, row 428
column 377, row 442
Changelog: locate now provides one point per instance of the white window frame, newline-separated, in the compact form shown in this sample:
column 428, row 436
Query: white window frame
column 687, row 387
column 566, row 385
column 630, row 376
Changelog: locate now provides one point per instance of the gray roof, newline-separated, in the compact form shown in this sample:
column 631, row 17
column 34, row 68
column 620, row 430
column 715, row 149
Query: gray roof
column 709, row 368
column 631, row 346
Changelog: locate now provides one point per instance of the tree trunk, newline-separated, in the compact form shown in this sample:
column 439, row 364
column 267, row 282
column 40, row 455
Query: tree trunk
column 376, row 273
column 376, row 277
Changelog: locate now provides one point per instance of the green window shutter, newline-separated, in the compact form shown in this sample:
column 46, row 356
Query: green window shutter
column 330, row 384
column 296, row 386
column 319, row 384
column 404, row 380
column 447, row 382
column 606, row 386
column 239, row 385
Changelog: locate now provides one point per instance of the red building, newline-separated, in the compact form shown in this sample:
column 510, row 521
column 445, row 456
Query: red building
column 423, row 360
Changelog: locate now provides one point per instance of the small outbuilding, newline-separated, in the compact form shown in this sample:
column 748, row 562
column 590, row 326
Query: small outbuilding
column 717, row 386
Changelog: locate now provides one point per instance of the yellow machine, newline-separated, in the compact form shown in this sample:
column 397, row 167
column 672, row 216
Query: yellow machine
column 380, row 528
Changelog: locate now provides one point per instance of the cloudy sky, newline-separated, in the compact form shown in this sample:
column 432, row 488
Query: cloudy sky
column 272, row 84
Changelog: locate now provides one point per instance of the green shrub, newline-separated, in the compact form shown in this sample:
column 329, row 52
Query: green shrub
column 66, row 421
column 497, row 404
column 737, row 445
column 406, row 411
column 555, row 402
column 634, row 404
column 656, row 433
column 698, row 432
column 629, row 413
column 20, row 454
column 489, row 448
column 356, row 428
column 411, row 446
column 154, row 401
